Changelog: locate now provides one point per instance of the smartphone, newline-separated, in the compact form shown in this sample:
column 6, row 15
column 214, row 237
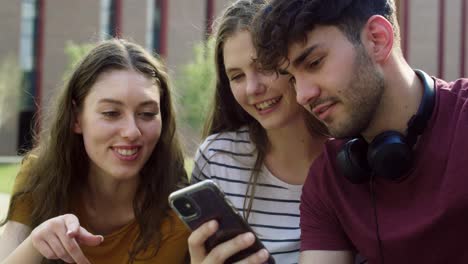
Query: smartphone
column 204, row 201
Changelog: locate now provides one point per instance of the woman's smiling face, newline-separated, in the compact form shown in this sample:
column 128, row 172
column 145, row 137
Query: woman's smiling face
column 120, row 122
column 266, row 96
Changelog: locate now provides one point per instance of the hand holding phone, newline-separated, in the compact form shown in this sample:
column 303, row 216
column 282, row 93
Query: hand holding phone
column 229, row 237
column 222, row 252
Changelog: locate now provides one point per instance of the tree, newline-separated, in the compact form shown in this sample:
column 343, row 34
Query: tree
column 75, row 53
column 195, row 84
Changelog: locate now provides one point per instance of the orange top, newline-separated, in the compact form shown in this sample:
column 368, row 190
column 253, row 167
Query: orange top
column 115, row 247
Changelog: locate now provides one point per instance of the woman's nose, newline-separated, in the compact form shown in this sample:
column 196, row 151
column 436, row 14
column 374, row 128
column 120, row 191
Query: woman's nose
column 255, row 85
column 130, row 129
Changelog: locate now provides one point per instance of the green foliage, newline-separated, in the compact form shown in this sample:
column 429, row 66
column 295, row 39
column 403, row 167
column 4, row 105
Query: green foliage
column 7, row 176
column 189, row 166
column 75, row 53
column 10, row 87
column 195, row 84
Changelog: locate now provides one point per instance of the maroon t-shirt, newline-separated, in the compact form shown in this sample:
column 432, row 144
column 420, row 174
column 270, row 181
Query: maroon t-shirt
column 422, row 219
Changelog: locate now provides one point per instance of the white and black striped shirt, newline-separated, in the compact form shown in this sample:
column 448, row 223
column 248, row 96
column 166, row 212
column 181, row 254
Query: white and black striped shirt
column 228, row 159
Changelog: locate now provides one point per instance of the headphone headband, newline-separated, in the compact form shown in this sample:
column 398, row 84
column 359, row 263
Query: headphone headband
column 418, row 122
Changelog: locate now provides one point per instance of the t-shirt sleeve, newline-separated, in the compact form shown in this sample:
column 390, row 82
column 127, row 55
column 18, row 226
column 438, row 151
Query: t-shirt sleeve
column 320, row 227
column 23, row 205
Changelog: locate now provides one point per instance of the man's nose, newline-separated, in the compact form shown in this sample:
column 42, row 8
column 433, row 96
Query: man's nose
column 306, row 91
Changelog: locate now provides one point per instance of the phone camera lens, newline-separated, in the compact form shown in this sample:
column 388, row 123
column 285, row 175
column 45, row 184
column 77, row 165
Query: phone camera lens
column 185, row 207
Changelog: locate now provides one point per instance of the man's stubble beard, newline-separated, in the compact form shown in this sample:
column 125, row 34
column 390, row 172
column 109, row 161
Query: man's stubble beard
column 361, row 99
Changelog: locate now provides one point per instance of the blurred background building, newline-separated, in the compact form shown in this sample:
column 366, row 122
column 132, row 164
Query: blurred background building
column 36, row 32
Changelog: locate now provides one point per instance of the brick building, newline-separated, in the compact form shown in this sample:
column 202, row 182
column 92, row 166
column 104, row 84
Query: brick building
column 36, row 32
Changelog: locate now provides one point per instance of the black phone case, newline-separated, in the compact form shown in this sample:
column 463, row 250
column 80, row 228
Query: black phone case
column 211, row 203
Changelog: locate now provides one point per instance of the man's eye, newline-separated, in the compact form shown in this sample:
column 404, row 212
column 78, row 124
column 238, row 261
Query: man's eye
column 315, row 63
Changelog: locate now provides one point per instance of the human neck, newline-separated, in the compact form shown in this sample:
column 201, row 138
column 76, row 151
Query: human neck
column 114, row 199
column 109, row 190
column 400, row 101
column 292, row 151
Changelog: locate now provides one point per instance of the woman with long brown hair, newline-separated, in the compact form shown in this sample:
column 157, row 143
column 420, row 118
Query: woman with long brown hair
column 95, row 188
column 259, row 144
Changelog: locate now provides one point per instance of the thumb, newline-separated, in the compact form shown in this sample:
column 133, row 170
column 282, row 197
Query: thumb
column 86, row 238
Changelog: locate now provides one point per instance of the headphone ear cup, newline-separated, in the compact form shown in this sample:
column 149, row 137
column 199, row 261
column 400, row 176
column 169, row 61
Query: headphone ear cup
column 389, row 156
column 351, row 161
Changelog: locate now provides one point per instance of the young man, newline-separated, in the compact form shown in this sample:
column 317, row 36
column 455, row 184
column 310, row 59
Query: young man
column 396, row 192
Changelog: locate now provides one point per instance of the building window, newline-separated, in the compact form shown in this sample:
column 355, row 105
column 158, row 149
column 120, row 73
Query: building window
column 105, row 19
column 110, row 19
column 29, row 23
column 154, row 15
column 29, row 45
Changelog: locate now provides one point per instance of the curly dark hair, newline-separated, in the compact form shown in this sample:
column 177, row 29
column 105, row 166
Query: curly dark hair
column 283, row 22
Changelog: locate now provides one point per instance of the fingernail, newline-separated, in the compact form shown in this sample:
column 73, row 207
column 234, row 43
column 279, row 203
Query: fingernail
column 102, row 238
column 248, row 237
column 263, row 253
column 212, row 224
column 69, row 233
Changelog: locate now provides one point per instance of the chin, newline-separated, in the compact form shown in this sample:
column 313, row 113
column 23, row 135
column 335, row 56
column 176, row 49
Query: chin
column 268, row 124
column 125, row 175
column 343, row 133
column 335, row 130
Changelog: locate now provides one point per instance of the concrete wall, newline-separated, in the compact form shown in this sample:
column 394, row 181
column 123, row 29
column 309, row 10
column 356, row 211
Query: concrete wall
column 185, row 28
column 134, row 21
column 423, row 35
column 65, row 21
column 452, row 41
column 10, row 23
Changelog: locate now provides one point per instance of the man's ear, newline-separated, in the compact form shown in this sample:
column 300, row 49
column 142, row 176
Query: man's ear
column 76, row 119
column 378, row 38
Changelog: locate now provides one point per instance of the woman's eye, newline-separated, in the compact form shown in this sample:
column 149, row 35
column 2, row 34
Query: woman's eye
column 148, row 115
column 110, row 114
column 236, row 77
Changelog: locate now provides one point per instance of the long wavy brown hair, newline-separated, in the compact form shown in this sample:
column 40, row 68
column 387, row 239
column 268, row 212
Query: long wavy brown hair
column 60, row 166
column 226, row 114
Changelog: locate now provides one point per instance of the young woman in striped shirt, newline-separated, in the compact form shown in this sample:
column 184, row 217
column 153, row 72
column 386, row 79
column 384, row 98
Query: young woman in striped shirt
column 259, row 144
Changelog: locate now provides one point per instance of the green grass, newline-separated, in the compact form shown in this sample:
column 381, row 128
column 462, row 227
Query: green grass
column 7, row 176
